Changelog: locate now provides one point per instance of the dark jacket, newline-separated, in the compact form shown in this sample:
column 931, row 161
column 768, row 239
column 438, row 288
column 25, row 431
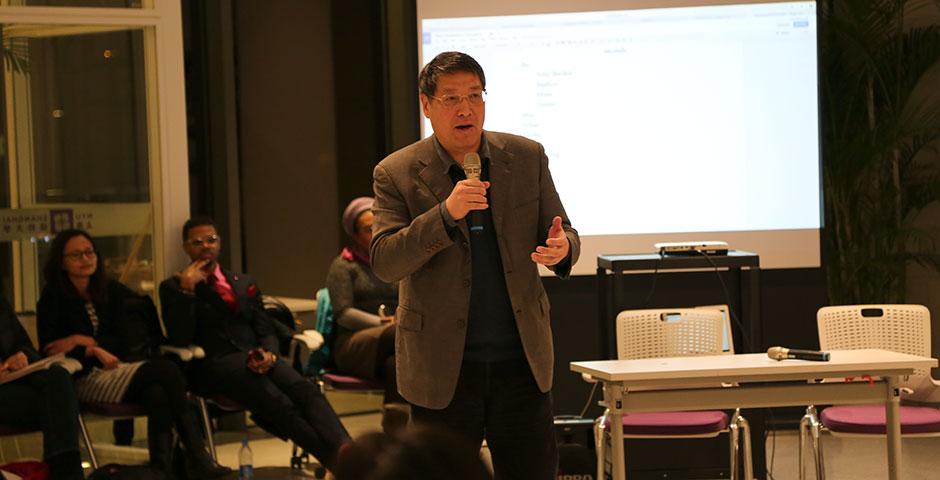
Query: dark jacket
column 13, row 337
column 202, row 318
column 128, row 325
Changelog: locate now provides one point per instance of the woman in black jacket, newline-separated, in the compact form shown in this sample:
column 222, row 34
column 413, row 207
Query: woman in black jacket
column 44, row 399
column 114, row 332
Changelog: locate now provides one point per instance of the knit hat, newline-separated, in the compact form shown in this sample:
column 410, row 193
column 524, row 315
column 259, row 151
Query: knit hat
column 352, row 212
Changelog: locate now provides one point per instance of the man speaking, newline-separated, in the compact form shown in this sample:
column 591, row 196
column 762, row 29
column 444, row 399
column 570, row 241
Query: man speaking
column 474, row 341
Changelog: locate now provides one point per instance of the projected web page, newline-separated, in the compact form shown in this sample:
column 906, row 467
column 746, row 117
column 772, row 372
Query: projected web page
column 697, row 119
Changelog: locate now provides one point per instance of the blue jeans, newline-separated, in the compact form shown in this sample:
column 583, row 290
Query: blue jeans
column 501, row 402
column 44, row 399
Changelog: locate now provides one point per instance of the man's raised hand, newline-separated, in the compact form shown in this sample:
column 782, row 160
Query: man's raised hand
column 192, row 275
column 556, row 246
column 467, row 195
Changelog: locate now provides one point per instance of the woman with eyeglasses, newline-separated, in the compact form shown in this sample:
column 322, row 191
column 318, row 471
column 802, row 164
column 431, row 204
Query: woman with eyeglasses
column 102, row 323
column 364, row 311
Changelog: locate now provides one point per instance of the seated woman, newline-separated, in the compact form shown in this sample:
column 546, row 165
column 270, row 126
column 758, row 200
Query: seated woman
column 365, row 337
column 83, row 314
column 45, row 399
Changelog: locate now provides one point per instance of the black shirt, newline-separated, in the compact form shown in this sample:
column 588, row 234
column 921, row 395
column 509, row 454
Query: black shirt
column 491, row 330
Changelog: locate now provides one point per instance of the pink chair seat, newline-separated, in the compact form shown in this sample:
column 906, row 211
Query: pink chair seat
column 675, row 423
column 871, row 419
column 346, row 382
column 114, row 409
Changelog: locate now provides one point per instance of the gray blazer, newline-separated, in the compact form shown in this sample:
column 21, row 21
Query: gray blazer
column 410, row 244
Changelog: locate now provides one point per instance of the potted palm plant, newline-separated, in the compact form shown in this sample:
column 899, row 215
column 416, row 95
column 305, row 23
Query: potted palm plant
column 880, row 91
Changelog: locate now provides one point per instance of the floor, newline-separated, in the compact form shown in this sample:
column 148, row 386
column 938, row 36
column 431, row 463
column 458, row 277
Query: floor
column 854, row 458
column 846, row 458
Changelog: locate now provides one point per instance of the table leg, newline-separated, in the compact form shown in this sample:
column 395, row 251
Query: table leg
column 613, row 395
column 604, row 295
column 617, row 303
column 893, row 427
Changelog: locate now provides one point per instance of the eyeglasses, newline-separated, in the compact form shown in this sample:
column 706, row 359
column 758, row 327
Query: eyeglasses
column 90, row 253
column 451, row 101
column 198, row 242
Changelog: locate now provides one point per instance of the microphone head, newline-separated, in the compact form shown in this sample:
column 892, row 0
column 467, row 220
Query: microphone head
column 777, row 353
column 472, row 167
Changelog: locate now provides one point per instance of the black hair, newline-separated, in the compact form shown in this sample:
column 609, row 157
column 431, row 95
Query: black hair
column 56, row 276
column 198, row 221
column 429, row 452
column 444, row 64
column 420, row 451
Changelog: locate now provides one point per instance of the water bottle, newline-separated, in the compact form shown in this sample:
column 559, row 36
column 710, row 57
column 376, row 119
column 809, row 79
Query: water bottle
column 246, row 470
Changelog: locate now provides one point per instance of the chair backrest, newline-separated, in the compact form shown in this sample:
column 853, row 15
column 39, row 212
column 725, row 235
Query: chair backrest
column 282, row 321
column 280, row 312
column 727, row 338
column 899, row 328
column 139, row 329
column 672, row 332
column 322, row 358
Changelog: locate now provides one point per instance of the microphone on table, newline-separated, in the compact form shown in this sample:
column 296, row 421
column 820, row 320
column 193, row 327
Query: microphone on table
column 783, row 353
column 472, row 168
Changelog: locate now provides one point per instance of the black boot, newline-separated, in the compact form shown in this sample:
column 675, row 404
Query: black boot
column 199, row 464
column 202, row 466
column 161, row 453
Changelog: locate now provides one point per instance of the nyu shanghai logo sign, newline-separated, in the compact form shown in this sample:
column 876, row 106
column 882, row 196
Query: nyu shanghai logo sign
column 30, row 223
column 110, row 219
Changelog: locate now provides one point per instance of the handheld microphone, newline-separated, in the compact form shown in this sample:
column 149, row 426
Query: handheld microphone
column 783, row 353
column 472, row 168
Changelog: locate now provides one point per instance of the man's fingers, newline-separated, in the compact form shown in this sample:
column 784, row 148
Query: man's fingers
column 197, row 265
column 544, row 259
column 548, row 252
column 556, row 231
column 557, row 247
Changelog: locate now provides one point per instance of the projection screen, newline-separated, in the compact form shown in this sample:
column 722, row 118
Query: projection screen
column 662, row 121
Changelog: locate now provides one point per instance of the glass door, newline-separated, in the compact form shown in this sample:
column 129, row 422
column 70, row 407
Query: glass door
column 84, row 105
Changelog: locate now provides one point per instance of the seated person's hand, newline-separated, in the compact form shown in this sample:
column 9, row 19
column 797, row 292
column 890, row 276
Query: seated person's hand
column 15, row 362
column 384, row 317
column 261, row 360
column 192, row 275
column 66, row 344
column 108, row 361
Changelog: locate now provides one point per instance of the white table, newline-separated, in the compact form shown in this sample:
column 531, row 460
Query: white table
column 762, row 382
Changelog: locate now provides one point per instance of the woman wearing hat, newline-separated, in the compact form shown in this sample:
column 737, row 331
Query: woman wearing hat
column 363, row 308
